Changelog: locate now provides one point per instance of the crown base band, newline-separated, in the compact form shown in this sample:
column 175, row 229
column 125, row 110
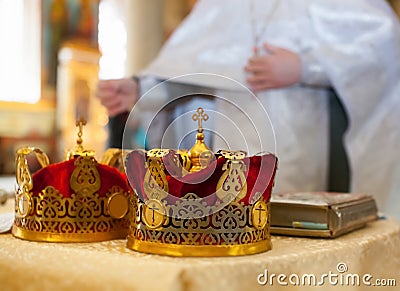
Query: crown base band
column 67, row 237
column 175, row 250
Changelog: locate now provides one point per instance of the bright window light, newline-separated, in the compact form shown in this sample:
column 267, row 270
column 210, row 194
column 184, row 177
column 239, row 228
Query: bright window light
column 112, row 39
column 20, row 57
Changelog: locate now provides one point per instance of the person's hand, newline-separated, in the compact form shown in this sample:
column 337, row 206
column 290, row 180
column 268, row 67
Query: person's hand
column 118, row 95
column 276, row 69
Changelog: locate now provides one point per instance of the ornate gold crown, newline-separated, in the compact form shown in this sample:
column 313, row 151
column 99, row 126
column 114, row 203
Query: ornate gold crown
column 191, row 204
column 77, row 200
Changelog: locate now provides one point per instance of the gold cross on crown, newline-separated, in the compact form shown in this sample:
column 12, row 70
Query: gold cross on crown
column 200, row 116
column 80, row 123
column 78, row 150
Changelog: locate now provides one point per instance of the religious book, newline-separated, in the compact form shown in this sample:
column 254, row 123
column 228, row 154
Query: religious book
column 320, row 214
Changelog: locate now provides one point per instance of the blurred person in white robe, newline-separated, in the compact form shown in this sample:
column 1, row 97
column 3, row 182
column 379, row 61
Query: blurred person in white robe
column 292, row 54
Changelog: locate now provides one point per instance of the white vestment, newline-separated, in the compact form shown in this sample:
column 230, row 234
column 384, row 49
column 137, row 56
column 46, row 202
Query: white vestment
column 352, row 46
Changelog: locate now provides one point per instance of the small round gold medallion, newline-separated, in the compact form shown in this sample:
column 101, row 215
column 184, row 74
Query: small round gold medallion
column 259, row 214
column 24, row 204
column 118, row 205
column 153, row 214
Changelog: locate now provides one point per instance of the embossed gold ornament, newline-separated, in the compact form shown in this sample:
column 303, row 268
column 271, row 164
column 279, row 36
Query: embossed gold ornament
column 155, row 180
column 232, row 184
column 259, row 214
column 153, row 214
column 24, row 204
column 118, row 205
column 85, row 178
column 23, row 176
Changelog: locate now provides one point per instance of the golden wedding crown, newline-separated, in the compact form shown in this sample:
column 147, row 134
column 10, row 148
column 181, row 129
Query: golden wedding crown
column 77, row 200
column 196, row 203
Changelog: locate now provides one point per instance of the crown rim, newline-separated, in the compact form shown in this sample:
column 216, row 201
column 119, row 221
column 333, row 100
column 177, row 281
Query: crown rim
column 176, row 250
column 70, row 237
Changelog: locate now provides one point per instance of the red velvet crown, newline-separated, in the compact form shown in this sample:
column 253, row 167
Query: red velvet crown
column 222, row 209
column 77, row 200
column 190, row 204
column 257, row 172
column 59, row 176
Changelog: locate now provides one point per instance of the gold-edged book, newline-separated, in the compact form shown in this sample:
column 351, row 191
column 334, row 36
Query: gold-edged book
column 320, row 214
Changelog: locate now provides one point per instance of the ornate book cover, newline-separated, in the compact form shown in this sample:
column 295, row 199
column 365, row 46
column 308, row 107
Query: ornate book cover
column 320, row 214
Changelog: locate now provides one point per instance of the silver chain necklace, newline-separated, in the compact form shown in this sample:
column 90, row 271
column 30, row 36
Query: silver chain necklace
column 257, row 34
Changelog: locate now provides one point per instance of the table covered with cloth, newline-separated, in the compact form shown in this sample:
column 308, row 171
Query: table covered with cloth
column 369, row 256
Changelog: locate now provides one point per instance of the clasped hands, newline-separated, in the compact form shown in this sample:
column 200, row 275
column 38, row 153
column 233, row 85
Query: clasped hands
column 118, row 95
column 273, row 67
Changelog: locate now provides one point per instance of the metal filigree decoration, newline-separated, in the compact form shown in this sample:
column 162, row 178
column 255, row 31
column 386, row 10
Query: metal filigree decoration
column 85, row 178
column 157, row 153
column 52, row 213
column 113, row 158
column 23, row 175
column 232, row 184
column 24, row 178
column 182, row 161
column 155, row 180
column 232, row 155
column 191, row 222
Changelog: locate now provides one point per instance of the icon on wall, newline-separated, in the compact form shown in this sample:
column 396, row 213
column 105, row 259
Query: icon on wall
column 66, row 21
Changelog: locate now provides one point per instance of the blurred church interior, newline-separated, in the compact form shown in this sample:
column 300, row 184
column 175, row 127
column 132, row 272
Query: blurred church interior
column 54, row 51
